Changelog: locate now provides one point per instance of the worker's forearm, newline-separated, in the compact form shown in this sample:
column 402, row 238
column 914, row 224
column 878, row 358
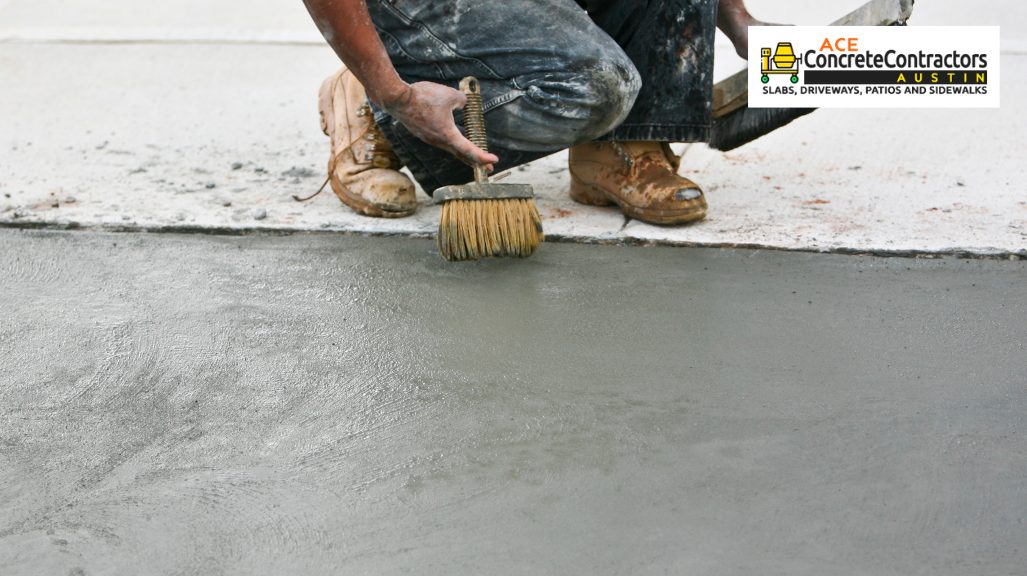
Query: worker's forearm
column 347, row 27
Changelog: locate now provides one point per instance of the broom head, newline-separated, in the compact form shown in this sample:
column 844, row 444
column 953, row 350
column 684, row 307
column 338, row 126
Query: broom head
column 480, row 220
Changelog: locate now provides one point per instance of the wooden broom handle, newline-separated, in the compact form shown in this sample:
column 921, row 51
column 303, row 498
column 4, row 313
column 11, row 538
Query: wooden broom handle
column 474, row 122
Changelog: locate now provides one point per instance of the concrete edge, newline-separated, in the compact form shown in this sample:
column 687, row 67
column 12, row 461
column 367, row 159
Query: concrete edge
column 965, row 253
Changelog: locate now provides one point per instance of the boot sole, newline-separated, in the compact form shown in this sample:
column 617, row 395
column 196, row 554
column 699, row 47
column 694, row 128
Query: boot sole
column 592, row 195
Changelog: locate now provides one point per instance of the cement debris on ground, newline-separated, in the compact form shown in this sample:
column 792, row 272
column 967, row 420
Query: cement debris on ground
column 318, row 404
column 193, row 116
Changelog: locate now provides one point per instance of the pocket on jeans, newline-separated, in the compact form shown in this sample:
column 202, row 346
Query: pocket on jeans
column 406, row 65
column 423, row 53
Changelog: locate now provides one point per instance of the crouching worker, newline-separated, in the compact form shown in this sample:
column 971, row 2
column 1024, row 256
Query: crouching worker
column 615, row 81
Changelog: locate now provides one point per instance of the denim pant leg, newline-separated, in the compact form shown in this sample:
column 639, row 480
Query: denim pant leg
column 671, row 44
column 550, row 77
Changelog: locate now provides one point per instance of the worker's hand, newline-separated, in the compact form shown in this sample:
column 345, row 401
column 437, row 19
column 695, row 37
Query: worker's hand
column 426, row 109
column 740, row 35
column 733, row 19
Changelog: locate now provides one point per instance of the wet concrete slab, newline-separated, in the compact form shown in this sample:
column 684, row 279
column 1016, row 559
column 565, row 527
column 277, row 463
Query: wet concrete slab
column 328, row 404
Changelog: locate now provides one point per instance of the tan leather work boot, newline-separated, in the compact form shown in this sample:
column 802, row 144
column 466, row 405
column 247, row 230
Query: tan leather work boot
column 363, row 169
column 640, row 177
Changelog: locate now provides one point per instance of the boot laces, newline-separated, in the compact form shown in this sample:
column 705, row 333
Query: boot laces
column 673, row 159
column 378, row 152
column 624, row 156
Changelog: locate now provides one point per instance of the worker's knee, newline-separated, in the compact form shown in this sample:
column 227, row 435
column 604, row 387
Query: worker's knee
column 557, row 110
column 606, row 97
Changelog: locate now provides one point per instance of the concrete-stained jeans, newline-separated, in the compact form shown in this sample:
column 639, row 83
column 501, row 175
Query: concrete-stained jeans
column 554, row 73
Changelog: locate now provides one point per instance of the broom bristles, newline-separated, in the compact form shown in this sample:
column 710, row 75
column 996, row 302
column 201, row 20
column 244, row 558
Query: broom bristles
column 470, row 229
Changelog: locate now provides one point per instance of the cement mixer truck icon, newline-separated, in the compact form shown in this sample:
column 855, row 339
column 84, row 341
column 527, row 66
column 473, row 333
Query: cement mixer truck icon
column 783, row 62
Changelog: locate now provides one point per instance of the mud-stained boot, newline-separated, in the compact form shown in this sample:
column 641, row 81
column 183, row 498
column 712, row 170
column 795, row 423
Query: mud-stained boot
column 363, row 169
column 640, row 177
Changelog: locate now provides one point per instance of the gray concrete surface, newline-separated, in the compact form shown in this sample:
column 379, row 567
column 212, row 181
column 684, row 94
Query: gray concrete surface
column 201, row 114
column 341, row 405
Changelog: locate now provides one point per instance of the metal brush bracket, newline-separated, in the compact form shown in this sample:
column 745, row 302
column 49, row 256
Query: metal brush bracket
column 474, row 125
